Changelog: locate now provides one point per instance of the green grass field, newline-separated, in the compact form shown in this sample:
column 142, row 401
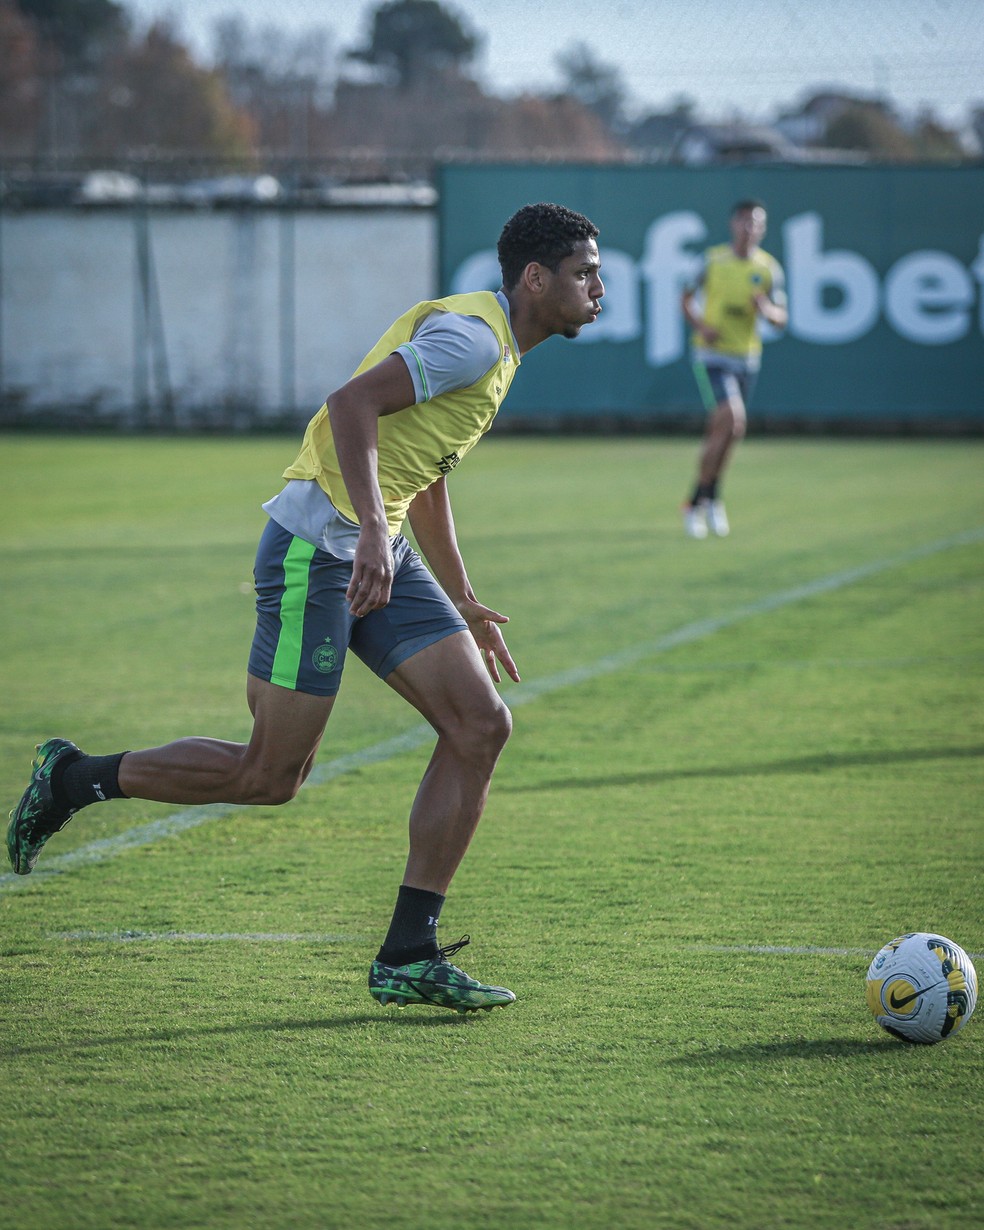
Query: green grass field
column 738, row 768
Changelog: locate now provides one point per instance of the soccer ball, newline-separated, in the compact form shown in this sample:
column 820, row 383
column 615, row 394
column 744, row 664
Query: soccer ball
column 922, row 987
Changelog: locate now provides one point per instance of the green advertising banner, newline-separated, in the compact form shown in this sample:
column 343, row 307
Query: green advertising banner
column 884, row 270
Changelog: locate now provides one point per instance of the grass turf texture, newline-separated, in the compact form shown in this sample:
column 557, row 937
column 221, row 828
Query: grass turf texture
column 807, row 777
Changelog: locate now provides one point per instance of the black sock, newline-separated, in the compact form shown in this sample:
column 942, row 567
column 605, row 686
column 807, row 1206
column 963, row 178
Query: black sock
column 412, row 935
column 89, row 779
column 704, row 491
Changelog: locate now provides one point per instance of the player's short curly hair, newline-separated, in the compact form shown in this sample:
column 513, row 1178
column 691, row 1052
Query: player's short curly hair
column 545, row 233
column 747, row 205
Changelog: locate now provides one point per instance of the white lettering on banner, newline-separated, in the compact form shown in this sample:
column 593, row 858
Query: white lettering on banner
column 667, row 266
column 977, row 269
column 834, row 296
column 928, row 296
column 480, row 271
column 810, row 271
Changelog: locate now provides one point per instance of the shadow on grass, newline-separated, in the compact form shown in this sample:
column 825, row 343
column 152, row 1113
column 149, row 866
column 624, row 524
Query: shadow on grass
column 769, row 1052
column 383, row 1020
column 818, row 763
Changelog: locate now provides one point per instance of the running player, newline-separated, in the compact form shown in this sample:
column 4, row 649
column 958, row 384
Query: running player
column 738, row 283
column 333, row 572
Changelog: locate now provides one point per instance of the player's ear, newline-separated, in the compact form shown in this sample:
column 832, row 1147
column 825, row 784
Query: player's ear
column 532, row 278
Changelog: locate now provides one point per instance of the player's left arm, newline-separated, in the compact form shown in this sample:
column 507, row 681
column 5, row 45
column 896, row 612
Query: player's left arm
column 432, row 522
column 771, row 304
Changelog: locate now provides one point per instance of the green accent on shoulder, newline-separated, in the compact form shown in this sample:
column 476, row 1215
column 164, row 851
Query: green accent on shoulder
column 420, row 371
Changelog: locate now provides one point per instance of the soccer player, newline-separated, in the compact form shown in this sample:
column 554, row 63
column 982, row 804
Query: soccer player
column 737, row 284
column 333, row 572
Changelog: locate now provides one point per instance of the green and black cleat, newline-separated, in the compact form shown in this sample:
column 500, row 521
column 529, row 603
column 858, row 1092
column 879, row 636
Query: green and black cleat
column 435, row 982
column 37, row 816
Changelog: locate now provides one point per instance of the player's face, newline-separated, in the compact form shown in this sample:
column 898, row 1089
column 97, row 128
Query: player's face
column 574, row 290
column 748, row 228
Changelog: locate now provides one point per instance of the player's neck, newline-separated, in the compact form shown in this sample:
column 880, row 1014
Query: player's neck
column 524, row 328
column 745, row 252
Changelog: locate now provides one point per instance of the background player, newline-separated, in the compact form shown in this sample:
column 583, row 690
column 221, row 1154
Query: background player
column 738, row 283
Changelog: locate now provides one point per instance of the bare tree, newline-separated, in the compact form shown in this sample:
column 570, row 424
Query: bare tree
column 285, row 81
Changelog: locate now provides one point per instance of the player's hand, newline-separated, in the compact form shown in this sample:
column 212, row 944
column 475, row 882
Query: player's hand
column 372, row 572
column 708, row 334
column 483, row 623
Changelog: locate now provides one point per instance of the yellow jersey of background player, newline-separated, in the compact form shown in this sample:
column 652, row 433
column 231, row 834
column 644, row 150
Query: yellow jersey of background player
column 729, row 284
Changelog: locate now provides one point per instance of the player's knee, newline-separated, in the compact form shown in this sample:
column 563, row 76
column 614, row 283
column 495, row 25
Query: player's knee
column 494, row 730
column 277, row 793
column 483, row 734
column 500, row 727
column 736, row 419
column 271, row 787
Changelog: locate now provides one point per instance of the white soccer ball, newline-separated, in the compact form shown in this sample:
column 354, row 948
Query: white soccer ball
column 922, row 987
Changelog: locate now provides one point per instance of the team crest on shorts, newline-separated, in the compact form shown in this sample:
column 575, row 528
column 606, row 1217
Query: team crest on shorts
column 325, row 657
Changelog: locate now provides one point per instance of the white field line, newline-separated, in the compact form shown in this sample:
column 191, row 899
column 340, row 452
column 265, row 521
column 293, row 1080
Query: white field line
column 803, row 950
column 272, row 937
column 194, row 937
column 191, row 817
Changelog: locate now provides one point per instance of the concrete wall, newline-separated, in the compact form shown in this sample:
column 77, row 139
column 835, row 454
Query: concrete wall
column 242, row 315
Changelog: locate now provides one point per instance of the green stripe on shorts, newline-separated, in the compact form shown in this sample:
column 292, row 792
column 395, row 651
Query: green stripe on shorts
column 704, row 386
column 287, row 661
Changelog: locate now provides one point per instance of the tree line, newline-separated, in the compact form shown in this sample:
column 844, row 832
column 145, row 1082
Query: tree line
column 80, row 81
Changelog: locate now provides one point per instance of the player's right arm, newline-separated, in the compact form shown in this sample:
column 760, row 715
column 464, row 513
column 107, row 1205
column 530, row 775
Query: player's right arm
column 692, row 315
column 354, row 411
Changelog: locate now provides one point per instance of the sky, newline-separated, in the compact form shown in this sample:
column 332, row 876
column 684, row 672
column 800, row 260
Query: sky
column 754, row 57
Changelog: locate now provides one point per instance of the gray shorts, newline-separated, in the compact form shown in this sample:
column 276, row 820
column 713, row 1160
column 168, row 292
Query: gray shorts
column 304, row 627
column 718, row 383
